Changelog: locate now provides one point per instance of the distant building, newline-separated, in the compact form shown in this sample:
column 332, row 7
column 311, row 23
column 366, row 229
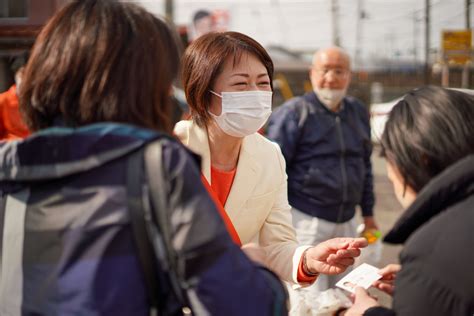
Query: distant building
column 20, row 22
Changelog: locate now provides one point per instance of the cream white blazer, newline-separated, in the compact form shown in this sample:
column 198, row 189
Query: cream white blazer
column 257, row 203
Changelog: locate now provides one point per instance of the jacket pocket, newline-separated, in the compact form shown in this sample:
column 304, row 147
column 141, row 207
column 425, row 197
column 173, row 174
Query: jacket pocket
column 261, row 203
column 257, row 209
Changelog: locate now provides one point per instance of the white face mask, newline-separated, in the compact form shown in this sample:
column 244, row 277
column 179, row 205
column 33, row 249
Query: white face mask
column 331, row 98
column 243, row 113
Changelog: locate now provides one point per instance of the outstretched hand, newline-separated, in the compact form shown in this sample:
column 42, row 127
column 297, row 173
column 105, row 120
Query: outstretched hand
column 362, row 302
column 335, row 255
column 388, row 273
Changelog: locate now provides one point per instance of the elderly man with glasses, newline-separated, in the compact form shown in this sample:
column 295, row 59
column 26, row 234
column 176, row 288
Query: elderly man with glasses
column 325, row 138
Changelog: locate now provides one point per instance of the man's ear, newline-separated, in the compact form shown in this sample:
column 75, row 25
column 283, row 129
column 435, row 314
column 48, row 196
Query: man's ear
column 311, row 74
column 349, row 79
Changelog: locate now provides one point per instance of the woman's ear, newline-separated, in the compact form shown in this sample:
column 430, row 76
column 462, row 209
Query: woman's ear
column 404, row 193
column 425, row 161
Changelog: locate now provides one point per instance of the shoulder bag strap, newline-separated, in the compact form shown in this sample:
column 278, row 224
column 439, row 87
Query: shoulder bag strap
column 138, row 221
column 159, row 199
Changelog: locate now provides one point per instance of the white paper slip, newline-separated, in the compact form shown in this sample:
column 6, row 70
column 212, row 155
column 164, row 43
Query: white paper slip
column 363, row 276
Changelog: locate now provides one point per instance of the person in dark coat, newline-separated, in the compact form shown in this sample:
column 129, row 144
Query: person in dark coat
column 428, row 143
column 96, row 94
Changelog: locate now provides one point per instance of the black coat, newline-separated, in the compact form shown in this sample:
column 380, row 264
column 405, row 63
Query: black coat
column 437, row 276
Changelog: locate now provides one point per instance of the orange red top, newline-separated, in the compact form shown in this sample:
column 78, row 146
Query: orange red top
column 302, row 276
column 216, row 197
column 221, row 183
column 11, row 123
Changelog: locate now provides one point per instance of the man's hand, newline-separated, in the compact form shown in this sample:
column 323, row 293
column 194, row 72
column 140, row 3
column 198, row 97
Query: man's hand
column 369, row 223
column 333, row 256
column 362, row 302
column 388, row 273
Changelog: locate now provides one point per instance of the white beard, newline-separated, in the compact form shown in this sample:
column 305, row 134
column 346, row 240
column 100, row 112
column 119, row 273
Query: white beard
column 331, row 98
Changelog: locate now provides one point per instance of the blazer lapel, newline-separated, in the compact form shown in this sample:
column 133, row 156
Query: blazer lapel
column 198, row 142
column 246, row 175
column 244, row 182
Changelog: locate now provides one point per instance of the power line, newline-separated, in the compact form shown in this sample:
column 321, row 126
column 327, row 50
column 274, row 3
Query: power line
column 404, row 15
column 450, row 18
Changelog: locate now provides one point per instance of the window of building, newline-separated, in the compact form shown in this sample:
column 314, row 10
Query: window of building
column 13, row 8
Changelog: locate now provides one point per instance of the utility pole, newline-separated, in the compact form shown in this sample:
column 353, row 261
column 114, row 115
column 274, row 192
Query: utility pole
column 465, row 70
column 336, row 40
column 468, row 14
column 427, row 41
column 415, row 41
column 358, row 43
column 169, row 11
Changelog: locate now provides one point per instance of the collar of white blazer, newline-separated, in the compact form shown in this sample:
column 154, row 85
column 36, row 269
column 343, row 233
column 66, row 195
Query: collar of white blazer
column 248, row 168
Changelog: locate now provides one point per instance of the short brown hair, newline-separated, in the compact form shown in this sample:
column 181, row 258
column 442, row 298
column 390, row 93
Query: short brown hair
column 99, row 61
column 427, row 131
column 203, row 61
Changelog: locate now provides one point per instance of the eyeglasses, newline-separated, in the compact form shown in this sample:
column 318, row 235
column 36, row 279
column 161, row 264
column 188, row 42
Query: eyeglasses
column 337, row 73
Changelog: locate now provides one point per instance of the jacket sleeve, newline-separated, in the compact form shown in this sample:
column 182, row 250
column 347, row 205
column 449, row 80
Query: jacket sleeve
column 215, row 269
column 368, row 198
column 283, row 129
column 277, row 235
column 379, row 311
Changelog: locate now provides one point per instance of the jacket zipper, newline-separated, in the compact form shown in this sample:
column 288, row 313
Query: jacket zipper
column 343, row 168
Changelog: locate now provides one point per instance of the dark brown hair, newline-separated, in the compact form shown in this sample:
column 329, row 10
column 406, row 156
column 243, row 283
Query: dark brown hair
column 427, row 131
column 203, row 61
column 101, row 60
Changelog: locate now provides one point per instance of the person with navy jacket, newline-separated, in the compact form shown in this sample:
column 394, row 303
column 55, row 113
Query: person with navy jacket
column 324, row 136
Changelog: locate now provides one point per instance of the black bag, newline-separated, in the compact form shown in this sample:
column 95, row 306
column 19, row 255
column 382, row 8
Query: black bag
column 147, row 201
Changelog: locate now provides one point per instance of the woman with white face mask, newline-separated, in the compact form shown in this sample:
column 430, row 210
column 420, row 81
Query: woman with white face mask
column 227, row 79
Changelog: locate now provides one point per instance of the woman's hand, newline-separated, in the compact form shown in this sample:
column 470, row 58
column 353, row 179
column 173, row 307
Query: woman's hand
column 388, row 273
column 333, row 256
column 362, row 302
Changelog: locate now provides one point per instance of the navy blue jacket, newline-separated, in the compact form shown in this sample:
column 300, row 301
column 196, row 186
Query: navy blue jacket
column 72, row 251
column 327, row 156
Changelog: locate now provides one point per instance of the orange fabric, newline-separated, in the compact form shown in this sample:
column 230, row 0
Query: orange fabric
column 302, row 276
column 221, row 183
column 230, row 227
column 11, row 123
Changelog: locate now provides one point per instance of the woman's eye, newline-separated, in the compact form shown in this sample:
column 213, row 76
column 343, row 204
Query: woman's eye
column 264, row 83
column 240, row 84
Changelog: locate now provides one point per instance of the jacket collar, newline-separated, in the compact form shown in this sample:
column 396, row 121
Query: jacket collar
column 59, row 152
column 197, row 141
column 246, row 175
column 454, row 184
column 313, row 99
